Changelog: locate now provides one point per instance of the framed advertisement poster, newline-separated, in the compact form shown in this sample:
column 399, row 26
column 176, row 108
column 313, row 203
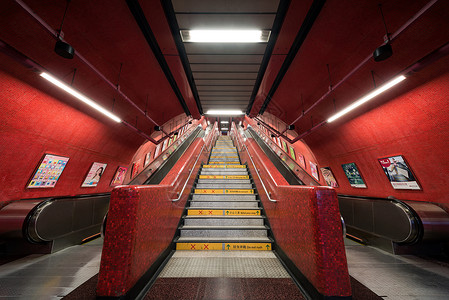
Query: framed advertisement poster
column 329, row 177
column 399, row 173
column 301, row 161
column 353, row 174
column 94, row 174
column 314, row 170
column 147, row 159
column 284, row 146
column 135, row 168
column 158, row 149
column 164, row 145
column 292, row 152
column 47, row 173
column 119, row 176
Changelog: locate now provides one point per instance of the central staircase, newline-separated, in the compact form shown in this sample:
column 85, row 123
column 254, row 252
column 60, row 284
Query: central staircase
column 223, row 212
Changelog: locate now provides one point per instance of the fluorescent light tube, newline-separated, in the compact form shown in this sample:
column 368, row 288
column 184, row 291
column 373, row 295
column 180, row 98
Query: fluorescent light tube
column 79, row 96
column 225, row 36
column 224, row 112
column 224, row 122
column 368, row 97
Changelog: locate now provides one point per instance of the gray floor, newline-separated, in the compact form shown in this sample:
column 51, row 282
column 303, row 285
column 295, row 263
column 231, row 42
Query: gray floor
column 397, row 277
column 50, row 276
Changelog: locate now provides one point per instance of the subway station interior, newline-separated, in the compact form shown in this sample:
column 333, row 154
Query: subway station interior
column 226, row 149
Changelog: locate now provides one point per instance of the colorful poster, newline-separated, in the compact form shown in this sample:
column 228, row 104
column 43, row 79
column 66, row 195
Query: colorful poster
column 284, row 146
column 329, row 177
column 353, row 174
column 314, row 170
column 292, row 152
column 170, row 140
column 398, row 173
column 94, row 174
column 119, row 176
column 278, row 139
column 164, row 145
column 147, row 159
column 158, row 149
column 135, row 168
column 301, row 161
column 48, row 173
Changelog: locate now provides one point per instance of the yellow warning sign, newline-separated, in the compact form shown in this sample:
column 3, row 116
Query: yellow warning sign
column 209, row 191
column 224, row 246
column 239, row 191
column 223, row 212
column 224, row 177
column 223, row 162
column 225, row 166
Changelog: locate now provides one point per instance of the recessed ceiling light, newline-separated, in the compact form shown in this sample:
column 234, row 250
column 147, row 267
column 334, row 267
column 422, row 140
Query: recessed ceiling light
column 218, row 112
column 79, row 96
column 225, row 36
column 224, row 122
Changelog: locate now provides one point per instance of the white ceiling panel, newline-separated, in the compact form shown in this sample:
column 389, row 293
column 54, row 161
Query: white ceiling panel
column 225, row 21
column 224, row 82
column 228, row 75
column 241, row 6
column 225, row 88
column 252, row 59
column 225, row 48
column 224, row 67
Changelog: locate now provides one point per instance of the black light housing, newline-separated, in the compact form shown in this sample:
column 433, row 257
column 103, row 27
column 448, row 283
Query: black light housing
column 190, row 122
column 65, row 50
column 291, row 127
column 272, row 135
column 157, row 128
column 175, row 133
column 383, row 52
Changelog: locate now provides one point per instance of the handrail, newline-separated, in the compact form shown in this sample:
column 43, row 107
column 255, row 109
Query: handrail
column 187, row 180
column 257, row 172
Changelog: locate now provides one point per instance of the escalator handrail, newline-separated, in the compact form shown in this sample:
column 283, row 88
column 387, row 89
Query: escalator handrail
column 188, row 177
column 257, row 172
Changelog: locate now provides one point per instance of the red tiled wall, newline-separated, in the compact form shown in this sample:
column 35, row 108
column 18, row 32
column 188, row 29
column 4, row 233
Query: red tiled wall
column 141, row 223
column 306, row 224
column 414, row 124
column 34, row 123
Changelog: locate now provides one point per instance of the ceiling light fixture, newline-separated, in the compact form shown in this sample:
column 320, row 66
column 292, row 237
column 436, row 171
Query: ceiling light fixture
column 62, row 48
column 368, row 97
column 224, row 122
column 219, row 112
column 225, row 36
column 79, row 96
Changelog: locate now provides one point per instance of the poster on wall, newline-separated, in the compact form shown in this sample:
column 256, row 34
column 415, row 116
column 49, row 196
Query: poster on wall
column 135, row 168
column 147, row 159
column 399, row 173
column 170, row 140
column 164, row 145
column 301, row 161
column 292, row 152
column 314, row 170
column 284, row 146
column 353, row 174
column 94, row 174
column 158, row 149
column 119, row 176
column 329, row 177
column 48, row 171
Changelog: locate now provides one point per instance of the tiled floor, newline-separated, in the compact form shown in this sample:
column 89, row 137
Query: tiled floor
column 397, row 277
column 50, row 276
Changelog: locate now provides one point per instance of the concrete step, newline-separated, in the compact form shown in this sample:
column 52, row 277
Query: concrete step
column 259, row 239
column 223, row 197
column 236, row 204
column 224, row 231
column 224, row 186
column 223, row 172
column 223, row 181
column 223, row 221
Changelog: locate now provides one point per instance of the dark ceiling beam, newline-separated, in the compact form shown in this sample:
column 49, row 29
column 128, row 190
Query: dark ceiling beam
column 142, row 22
column 174, row 28
column 277, row 24
column 309, row 20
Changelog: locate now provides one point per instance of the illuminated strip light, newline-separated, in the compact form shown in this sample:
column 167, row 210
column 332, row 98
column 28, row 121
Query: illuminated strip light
column 225, row 128
column 225, row 36
column 368, row 97
column 79, row 96
column 224, row 122
column 224, row 112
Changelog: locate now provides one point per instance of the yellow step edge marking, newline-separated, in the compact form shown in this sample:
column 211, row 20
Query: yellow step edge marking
column 224, row 166
column 223, row 152
column 224, row 191
column 223, row 162
column 224, row 246
column 223, row 212
column 224, row 156
column 224, row 177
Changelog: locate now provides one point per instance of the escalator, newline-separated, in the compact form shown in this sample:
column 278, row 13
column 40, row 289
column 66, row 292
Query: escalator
column 224, row 214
